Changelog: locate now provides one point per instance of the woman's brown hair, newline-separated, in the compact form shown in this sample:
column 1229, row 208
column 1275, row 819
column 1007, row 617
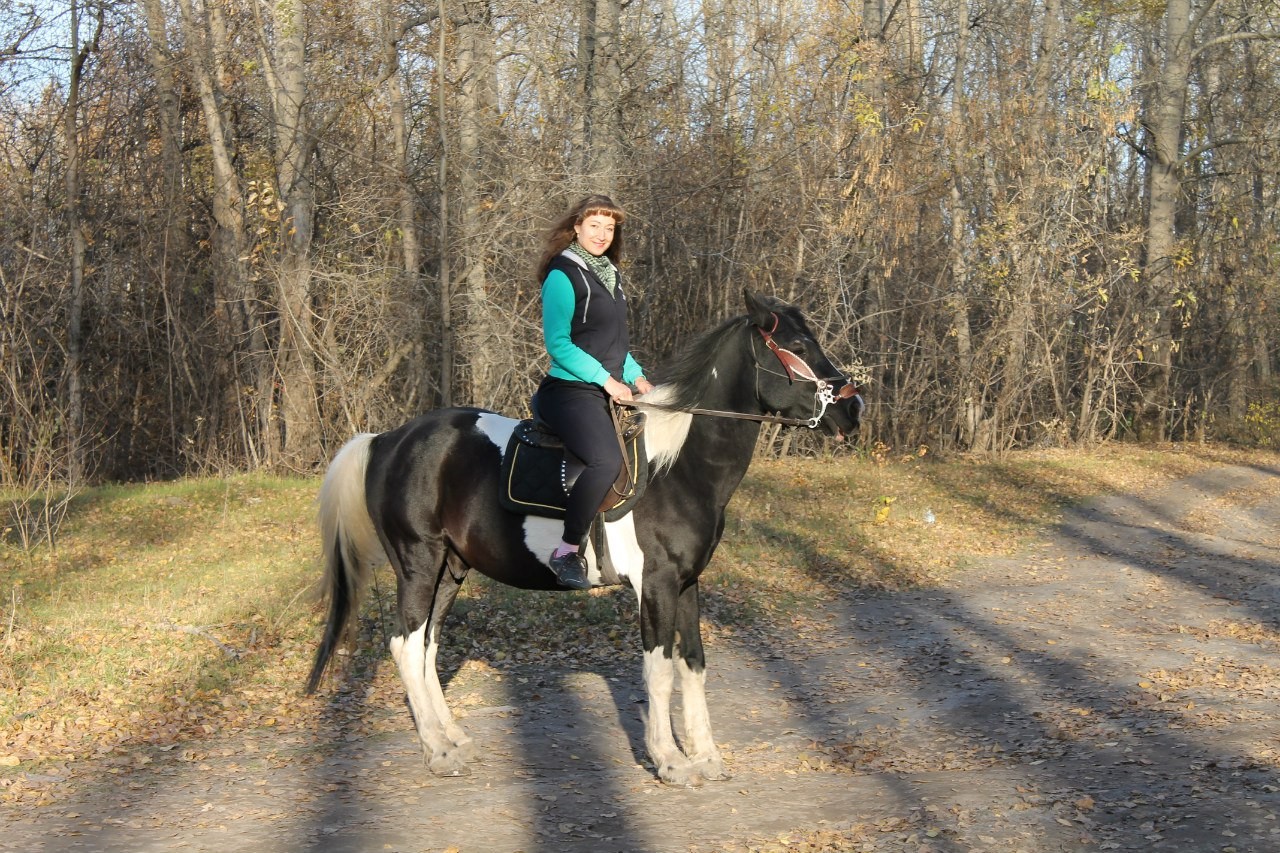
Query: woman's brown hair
column 562, row 233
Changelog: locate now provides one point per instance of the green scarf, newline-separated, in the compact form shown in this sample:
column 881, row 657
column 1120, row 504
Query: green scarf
column 601, row 266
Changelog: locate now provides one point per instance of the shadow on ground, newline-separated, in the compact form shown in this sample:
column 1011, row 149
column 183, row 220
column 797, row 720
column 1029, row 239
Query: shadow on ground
column 1113, row 688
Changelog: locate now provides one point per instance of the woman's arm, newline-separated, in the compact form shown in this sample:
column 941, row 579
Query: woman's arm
column 558, row 303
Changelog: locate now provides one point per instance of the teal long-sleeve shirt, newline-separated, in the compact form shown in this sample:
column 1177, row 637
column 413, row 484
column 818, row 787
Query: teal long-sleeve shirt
column 568, row 360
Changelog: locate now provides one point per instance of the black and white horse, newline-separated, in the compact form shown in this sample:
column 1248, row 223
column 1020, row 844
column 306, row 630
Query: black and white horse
column 425, row 496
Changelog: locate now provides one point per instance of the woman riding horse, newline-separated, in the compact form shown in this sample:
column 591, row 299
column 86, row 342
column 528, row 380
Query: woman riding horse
column 584, row 327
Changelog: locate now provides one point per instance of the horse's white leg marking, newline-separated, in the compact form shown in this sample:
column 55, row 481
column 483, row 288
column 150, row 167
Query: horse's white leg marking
column 700, row 744
column 452, row 730
column 660, row 741
column 410, row 655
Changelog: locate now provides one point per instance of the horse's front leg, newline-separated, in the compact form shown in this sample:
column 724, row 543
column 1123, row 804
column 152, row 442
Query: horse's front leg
column 691, row 663
column 658, row 607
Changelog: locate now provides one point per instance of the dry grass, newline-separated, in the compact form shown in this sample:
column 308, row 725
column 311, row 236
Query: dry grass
column 170, row 614
column 155, row 605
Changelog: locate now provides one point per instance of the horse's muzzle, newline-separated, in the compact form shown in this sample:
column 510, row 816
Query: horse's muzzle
column 850, row 401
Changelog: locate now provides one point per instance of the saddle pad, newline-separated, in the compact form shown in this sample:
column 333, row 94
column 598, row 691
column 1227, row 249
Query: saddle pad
column 533, row 478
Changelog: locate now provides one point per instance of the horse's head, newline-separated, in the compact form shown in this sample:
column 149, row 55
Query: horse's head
column 796, row 379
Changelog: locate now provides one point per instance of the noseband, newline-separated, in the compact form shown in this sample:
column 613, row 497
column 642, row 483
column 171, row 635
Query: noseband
column 830, row 390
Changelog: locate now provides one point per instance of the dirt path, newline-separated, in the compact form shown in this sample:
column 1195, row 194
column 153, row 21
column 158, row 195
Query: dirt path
column 1114, row 688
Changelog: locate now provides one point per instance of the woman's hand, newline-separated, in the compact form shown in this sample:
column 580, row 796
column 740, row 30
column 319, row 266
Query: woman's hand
column 616, row 390
column 644, row 386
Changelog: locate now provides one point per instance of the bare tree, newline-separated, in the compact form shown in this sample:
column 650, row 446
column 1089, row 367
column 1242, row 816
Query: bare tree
column 282, row 222
column 476, row 110
column 242, row 359
column 79, row 52
column 602, row 137
column 283, row 57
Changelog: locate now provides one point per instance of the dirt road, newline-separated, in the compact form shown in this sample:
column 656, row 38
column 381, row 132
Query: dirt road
column 1113, row 688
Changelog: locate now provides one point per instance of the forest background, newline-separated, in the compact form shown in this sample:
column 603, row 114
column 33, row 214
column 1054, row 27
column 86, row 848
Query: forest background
column 237, row 231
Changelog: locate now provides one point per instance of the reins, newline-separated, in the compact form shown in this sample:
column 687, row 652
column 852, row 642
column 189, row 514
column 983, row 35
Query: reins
column 716, row 413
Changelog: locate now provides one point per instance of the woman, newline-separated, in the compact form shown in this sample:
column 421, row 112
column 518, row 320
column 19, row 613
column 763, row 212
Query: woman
column 584, row 326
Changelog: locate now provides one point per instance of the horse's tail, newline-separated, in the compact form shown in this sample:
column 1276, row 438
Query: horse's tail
column 351, row 546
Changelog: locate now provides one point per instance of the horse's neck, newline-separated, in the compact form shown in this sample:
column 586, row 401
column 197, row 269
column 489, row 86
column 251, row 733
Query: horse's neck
column 716, row 455
column 717, row 451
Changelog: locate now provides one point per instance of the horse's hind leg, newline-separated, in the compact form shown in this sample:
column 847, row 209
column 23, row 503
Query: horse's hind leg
column 424, row 601
column 446, row 592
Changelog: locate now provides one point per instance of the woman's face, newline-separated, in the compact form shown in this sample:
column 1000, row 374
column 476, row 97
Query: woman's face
column 595, row 233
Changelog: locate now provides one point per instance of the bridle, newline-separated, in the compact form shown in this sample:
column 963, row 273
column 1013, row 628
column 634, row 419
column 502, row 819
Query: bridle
column 828, row 391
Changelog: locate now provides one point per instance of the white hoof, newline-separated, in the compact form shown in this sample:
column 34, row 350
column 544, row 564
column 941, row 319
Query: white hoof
column 449, row 762
column 679, row 774
column 711, row 768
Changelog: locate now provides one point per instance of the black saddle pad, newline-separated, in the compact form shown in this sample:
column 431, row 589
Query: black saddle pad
column 537, row 473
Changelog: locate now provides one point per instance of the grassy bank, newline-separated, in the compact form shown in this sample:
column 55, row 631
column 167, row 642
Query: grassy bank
column 168, row 616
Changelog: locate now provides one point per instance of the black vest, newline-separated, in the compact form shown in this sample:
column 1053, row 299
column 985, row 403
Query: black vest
column 599, row 325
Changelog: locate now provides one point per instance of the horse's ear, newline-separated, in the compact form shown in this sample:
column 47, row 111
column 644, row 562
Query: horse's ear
column 758, row 309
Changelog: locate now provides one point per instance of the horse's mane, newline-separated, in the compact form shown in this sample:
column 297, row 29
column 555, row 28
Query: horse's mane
column 685, row 381
column 692, row 370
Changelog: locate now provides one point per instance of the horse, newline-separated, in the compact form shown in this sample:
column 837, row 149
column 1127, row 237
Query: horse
column 425, row 496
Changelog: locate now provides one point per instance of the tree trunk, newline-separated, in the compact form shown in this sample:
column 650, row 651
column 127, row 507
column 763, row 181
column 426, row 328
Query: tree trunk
column 76, row 304
column 475, row 108
column 447, row 377
column 1043, row 84
column 242, row 342
column 167, row 111
column 406, row 198
column 602, row 107
column 410, row 241
column 1164, row 124
column 1236, row 340
column 969, row 402
column 285, row 68
column 879, row 307
column 1259, row 231
column 173, row 247
column 76, row 449
column 904, row 29
column 718, row 24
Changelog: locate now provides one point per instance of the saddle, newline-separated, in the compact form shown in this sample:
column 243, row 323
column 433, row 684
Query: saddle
column 538, row 472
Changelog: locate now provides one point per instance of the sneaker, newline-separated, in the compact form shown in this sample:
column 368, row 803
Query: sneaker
column 571, row 570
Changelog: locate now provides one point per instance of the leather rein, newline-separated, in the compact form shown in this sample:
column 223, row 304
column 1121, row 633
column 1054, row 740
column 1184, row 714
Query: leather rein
column 795, row 368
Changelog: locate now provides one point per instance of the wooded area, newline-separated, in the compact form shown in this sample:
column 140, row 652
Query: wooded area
column 237, row 231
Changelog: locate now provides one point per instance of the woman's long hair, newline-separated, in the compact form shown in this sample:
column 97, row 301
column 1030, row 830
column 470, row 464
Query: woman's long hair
column 562, row 233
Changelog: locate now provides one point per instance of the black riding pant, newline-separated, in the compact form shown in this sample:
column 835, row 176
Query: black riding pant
column 578, row 412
